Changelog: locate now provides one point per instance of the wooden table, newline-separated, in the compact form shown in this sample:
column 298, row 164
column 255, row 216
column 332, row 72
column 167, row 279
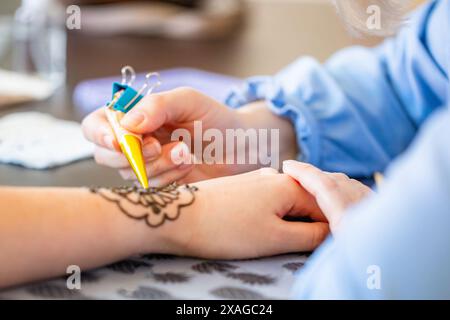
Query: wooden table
column 273, row 34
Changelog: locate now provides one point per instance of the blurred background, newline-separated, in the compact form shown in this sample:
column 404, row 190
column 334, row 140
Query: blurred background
column 52, row 53
column 234, row 37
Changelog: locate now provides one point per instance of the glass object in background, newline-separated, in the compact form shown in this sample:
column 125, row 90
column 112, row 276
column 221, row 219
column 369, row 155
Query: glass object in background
column 39, row 41
column 32, row 52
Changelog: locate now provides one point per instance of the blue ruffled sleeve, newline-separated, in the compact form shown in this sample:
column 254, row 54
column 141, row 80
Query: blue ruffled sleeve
column 394, row 244
column 363, row 107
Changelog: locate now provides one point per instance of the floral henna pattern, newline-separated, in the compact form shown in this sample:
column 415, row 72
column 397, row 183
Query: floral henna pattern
column 154, row 205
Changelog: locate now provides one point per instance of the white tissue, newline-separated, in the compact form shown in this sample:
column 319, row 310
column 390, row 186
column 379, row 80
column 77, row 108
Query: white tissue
column 16, row 87
column 39, row 141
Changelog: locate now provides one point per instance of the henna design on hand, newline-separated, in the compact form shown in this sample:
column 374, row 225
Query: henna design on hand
column 154, row 205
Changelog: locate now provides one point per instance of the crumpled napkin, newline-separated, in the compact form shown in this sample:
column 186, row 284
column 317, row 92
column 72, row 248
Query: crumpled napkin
column 39, row 141
column 17, row 88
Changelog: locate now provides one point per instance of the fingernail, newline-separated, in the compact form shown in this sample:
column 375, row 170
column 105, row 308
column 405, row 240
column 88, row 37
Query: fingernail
column 132, row 119
column 151, row 150
column 180, row 154
column 109, row 142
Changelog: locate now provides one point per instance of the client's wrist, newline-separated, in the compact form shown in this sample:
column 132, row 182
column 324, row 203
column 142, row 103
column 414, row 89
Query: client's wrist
column 163, row 219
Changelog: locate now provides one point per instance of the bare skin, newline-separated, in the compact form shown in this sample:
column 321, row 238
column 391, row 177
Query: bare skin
column 44, row 230
column 333, row 192
column 157, row 115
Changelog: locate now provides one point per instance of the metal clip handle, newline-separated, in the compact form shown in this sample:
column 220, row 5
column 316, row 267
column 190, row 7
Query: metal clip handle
column 148, row 87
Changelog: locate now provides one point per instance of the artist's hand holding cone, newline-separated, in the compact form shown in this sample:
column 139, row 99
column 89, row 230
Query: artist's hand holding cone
column 156, row 117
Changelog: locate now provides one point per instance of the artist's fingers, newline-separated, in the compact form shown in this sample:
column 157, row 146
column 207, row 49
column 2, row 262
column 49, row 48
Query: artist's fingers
column 178, row 105
column 301, row 236
column 173, row 155
column 353, row 189
column 323, row 187
column 116, row 159
column 170, row 176
column 97, row 129
column 109, row 158
column 151, row 148
column 301, row 202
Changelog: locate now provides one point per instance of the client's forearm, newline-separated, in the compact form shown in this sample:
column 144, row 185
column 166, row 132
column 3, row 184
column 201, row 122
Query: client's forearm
column 44, row 230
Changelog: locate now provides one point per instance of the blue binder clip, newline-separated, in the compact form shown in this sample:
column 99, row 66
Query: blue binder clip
column 124, row 97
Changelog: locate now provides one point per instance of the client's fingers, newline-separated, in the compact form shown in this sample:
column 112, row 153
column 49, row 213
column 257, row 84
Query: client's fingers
column 302, row 236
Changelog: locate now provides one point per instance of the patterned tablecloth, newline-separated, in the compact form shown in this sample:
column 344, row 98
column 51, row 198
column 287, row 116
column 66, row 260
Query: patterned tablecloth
column 169, row 277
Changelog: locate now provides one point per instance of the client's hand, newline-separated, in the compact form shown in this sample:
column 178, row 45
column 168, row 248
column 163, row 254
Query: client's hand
column 242, row 217
column 334, row 192
column 227, row 218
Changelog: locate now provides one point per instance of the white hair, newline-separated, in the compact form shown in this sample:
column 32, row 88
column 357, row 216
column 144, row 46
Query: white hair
column 356, row 14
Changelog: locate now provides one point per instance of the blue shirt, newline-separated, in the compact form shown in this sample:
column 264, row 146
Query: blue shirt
column 355, row 114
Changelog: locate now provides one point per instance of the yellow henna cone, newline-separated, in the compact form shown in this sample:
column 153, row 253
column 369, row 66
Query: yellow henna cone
column 130, row 144
column 132, row 148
